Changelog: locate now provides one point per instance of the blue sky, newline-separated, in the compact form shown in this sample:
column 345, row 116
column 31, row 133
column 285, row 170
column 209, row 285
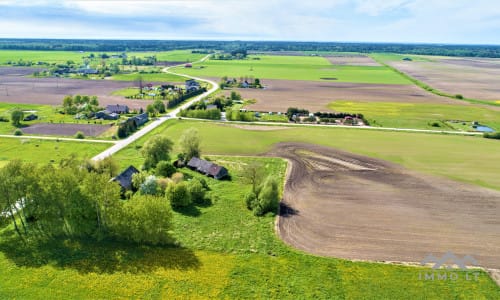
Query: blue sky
column 417, row 21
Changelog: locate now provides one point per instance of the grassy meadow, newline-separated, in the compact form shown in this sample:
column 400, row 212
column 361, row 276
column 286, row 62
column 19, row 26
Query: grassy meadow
column 222, row 252
column 293, row 68
column 149, row 77
column 466, row 159
column 43, row 151
column 412, row 115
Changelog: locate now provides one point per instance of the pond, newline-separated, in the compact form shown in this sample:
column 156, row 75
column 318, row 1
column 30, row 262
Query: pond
column 483, row 128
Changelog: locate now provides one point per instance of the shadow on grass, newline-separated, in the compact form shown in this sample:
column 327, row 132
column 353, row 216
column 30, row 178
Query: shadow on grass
column 190, row 210
column 88, row 256
column 286, row 210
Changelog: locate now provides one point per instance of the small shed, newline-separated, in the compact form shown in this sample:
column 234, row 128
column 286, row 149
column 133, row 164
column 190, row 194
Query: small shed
column 124, row 179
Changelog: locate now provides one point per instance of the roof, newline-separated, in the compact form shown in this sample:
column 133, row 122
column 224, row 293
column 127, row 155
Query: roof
column 207, row 168
column 117, row 108
column 140, row 119
column 125, row 177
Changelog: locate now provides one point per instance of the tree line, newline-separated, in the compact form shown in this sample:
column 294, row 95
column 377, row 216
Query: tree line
column 239, row 47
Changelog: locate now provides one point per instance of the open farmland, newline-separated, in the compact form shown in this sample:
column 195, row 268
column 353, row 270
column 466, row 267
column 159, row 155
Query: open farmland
column 428, row 153
column 51, row 91
column 315, row 96
column 421, row 115
column 223, row 252
column 66, row 129
column 294, row 68
column 325, row 212
column 477, row 78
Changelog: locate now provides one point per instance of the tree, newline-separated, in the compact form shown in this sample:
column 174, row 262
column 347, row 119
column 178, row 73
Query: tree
column 165, row 169
column 107, row 165
column 144, row 219
column 68, row 104
column 190, row 143
column 17, row 116
column 253, row 173
column 155, row 150
column 159, row 106
column 149, row 186
column 178, row 195
column 268, row 197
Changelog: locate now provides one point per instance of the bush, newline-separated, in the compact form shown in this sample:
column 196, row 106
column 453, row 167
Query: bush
column 18, row 132
column 4, row 119
column 458, row 96
column 178, row 195
column 79, row 135
column 165, row 169
column 197, row 191
column 493, row 135
column 265, row 199
column 435, row 124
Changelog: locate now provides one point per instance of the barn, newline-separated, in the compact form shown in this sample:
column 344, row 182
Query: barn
column 207, row 168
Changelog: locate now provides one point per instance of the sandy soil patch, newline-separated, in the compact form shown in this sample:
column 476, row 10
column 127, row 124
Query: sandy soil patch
column 354, row 207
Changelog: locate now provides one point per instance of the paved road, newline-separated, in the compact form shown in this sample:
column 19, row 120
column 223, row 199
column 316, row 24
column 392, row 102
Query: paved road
column 55, row 138
column 145, row 130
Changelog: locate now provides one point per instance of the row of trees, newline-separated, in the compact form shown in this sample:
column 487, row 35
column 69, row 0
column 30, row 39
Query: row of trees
column 210, row 114
column 74, row 200
column 78, row 103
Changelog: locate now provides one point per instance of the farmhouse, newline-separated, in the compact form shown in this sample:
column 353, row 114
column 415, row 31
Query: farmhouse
column 117, row 109
column 124, row 179
column 207, row 168
column 140, row 119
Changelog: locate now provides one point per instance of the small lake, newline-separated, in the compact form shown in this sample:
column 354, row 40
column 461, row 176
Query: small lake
column 483, row 128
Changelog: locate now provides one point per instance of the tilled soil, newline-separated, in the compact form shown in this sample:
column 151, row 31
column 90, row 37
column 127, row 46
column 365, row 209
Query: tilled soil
column 354, row 207
column 470, row 77
column 316, row 95
column 65, row 129
column 51, row 91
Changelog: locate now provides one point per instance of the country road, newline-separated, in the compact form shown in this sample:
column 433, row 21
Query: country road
column 137, row 135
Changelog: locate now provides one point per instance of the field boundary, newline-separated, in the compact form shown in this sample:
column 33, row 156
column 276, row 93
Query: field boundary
column 34, row 137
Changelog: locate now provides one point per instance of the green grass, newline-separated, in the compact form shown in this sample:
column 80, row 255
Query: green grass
column 412, row 115
column 42, row 151
column 45, row 113
column 224, row 252
column 273, row 118
column 126, row 92
column 294, row 68
column 36, row 56
column 149, row 77
column 466, row 159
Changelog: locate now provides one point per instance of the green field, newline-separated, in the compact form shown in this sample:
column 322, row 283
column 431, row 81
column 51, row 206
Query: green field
column 411, row 115
column 293, row 68
column 149, row 77
column 467, row 159
column 76, row 56
column 223, row 252
column 36, row 56
column 42, row 151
